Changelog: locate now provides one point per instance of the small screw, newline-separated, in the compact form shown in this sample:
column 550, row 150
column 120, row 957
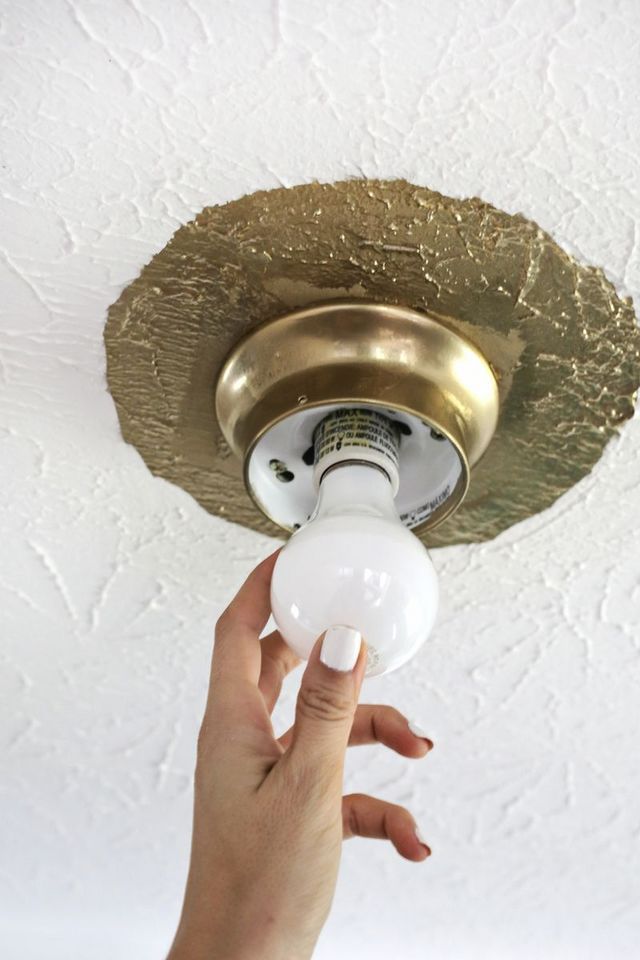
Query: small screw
column 281, row 471
column 303, row 399
column 436, row 435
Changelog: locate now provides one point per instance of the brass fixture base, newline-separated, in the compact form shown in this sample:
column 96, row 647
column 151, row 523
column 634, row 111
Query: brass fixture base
column 350, row 353
column 564, row 347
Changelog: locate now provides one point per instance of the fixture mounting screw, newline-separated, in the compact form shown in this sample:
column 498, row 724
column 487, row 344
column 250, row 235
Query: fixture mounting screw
column 281, row 471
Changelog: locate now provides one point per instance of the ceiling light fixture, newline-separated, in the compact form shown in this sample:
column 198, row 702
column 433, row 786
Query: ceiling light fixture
column 356, row 422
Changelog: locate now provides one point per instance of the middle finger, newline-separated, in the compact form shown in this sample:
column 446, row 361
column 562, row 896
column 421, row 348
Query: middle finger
column 378, row 723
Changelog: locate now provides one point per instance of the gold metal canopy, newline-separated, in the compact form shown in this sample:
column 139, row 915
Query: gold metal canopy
column 358, row 351
column 563, row 347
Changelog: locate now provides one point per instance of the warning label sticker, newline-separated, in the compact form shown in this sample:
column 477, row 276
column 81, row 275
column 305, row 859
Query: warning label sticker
column 365, row 429
column 413, row 517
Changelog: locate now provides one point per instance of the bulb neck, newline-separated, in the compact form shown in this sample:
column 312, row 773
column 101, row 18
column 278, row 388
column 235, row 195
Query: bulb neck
column 356, row 489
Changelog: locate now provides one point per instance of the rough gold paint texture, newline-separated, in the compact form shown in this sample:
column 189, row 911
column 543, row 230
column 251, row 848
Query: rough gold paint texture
column 564, row 346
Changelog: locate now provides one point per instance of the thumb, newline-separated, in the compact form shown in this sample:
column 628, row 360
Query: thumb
column 327, row 700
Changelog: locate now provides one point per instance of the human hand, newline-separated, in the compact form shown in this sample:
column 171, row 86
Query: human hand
column 269, row 815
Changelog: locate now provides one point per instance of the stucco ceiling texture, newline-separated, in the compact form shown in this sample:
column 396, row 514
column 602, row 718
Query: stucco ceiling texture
column 120, row 121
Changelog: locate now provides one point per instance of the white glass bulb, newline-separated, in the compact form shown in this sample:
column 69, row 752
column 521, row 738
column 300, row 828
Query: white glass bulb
column 355, row 563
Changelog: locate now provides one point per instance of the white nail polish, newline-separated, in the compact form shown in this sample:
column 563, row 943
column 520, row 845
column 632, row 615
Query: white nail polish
column 340, row 648
column 422, row 840
column 417, row 730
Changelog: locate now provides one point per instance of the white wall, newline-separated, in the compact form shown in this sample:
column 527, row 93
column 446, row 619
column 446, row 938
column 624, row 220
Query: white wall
column 121, row 120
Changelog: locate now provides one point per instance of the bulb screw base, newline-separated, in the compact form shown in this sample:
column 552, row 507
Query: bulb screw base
column 356, row 435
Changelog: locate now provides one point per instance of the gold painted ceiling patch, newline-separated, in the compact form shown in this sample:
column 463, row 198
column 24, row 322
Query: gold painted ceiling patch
column 564, row 348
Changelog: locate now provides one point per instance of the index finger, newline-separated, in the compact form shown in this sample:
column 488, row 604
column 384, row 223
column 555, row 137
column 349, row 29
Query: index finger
column 236, row 652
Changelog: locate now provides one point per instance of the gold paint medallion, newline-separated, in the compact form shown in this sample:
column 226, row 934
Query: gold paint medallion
column 563, row 347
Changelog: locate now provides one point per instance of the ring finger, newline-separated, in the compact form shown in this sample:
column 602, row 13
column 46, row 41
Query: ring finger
column 365, row 816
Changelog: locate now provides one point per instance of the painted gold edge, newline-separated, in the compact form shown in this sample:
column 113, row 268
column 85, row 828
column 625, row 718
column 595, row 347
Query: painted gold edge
column 409, row 315
column 446, row 321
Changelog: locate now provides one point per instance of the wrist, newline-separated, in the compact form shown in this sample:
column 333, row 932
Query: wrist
column 236, row 939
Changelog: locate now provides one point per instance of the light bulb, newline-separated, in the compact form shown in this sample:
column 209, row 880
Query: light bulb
column 354, row 562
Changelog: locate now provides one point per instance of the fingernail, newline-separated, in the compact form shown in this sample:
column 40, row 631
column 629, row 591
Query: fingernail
column 422, row 841
column 340, row 648
column 417, row 731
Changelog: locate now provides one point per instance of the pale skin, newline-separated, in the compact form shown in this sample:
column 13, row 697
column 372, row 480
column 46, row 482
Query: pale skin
column 269, row 814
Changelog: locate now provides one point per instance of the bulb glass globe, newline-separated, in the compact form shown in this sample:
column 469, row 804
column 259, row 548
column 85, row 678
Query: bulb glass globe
column 355, row 563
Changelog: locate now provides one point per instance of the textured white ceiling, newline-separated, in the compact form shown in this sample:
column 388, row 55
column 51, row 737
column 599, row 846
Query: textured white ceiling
column 120, row 121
